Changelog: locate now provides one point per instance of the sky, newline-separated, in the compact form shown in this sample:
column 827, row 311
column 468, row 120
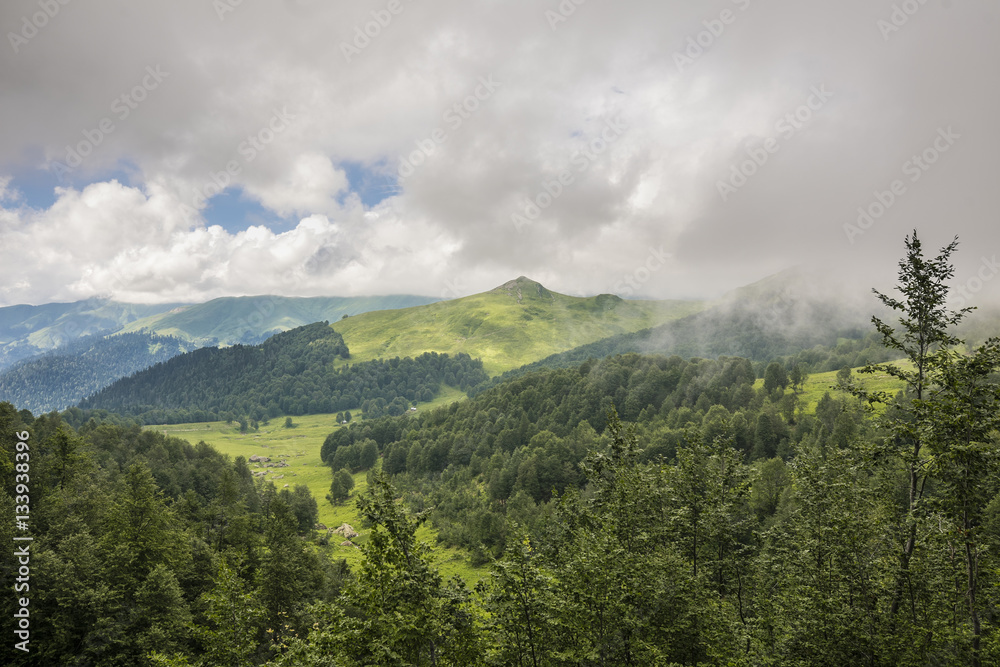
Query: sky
column 182, row 151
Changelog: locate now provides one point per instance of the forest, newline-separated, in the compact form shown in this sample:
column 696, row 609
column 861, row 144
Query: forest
column 717, row 525
column 295, row 372
column 635, row 510
column 60, row 378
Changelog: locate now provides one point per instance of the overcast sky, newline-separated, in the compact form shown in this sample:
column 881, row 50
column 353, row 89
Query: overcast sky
column 184, row 150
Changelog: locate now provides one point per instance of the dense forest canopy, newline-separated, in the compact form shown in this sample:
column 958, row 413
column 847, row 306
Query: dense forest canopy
column 137, row 535
column 296, row 372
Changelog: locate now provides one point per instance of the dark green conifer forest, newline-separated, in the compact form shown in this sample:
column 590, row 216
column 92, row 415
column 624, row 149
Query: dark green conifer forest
column 295, row 372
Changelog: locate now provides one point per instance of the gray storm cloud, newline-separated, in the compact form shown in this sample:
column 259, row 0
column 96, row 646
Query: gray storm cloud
column 610, row 131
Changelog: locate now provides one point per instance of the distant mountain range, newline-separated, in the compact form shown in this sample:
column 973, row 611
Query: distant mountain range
column 512, row 328
column 58, row 379
column 26, row 331
column 516, row 323
column 252, row 319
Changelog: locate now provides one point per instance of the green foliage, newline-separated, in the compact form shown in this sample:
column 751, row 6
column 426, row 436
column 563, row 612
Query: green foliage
column 518, row 599
column 302, row 506
column 530, row 435
column 924, row 338
column 234, row 615
column 402, row 611
column 340, row 487
column 60, row 378
column 130, row 528
column 294, row 373
column 822, row 568
column 775, row 377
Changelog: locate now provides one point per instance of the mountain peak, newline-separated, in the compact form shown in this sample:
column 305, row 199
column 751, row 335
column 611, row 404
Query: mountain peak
column 522, row 287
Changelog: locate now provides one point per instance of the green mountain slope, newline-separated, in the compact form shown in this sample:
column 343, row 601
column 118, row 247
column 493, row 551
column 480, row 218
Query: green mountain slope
column 60, row 378
column 251, row 319
column 514, row 324
column 776, row 318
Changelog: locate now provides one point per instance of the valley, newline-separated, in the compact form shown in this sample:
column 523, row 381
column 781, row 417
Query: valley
column 299, row 447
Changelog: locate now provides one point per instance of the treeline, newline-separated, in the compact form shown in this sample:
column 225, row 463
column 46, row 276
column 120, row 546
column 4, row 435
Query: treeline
column 59, row 379
column 143, row 542
column 847, row 353
column 292, row 373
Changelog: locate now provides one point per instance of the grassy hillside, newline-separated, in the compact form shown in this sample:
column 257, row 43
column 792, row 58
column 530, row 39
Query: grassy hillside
column 249, row 319
column 511, row 325
column 817, row 384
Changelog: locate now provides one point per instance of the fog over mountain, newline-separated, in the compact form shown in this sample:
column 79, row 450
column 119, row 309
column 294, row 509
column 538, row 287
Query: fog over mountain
column 178, row 152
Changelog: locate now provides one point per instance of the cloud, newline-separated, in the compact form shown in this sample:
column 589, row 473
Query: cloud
column 695, row 87
column 312, row 186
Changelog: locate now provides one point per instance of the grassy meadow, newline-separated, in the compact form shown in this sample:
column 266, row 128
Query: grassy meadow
column 299, row 447
column 817, row 384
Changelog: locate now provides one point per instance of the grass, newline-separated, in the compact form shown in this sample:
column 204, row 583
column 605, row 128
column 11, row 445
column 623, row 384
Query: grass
column 817, row 384
column 512, row 325
column 300, row 447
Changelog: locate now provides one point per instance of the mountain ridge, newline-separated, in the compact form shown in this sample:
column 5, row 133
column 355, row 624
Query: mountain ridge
column 514, row 323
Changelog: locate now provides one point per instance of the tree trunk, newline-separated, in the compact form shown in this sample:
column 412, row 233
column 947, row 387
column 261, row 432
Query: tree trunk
column 911, row 540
